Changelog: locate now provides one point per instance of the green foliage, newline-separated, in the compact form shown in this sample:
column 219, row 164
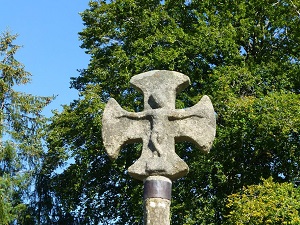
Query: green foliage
column 266, row 203
column 243, row 54
column 21, row 130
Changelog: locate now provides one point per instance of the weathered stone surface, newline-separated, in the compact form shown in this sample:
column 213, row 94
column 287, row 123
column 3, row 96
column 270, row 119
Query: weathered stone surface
column 157, row 211
column 159, row 125
column 157, row 207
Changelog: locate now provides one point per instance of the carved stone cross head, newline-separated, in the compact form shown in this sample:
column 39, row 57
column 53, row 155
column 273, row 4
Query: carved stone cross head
column 159, row 125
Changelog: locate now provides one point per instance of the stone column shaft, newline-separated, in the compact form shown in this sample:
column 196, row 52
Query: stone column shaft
column 157, row 211
column 157, row 200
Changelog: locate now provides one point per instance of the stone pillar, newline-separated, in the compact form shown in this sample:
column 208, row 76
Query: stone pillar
column 157, row 200
column 159, row 125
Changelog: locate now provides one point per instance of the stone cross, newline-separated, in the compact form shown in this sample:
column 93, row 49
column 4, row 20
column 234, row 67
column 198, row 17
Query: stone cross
column 158, row 127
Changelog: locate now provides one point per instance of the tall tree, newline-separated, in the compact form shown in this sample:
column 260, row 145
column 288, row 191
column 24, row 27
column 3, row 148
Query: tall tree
column 243, row 54
column 21, row 132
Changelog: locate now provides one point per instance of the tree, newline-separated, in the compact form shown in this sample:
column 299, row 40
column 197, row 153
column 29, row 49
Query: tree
column 243, row 54
column 266, row 203
column 21, row 132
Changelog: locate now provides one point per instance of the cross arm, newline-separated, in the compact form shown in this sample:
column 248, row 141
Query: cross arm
column 196, row 124
column 120, row 127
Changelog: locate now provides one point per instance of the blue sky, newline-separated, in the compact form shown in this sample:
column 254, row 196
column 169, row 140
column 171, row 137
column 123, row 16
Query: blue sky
column 48, row 32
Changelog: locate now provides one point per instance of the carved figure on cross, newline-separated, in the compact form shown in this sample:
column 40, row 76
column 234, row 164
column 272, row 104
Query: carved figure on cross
column 159, row 125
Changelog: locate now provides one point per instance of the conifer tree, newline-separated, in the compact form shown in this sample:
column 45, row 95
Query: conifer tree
column 21, row 132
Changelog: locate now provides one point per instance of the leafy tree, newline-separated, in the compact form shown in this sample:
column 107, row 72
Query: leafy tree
column 21, row 130
column 266, row 203
column 243, row 54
